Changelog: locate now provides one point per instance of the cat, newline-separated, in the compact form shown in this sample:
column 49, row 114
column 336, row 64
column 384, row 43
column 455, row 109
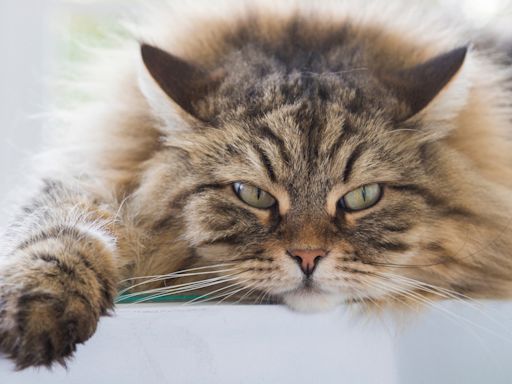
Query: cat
column 311, row 154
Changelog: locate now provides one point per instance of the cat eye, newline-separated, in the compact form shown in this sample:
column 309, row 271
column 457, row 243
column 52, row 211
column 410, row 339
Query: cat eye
column 253, row 196
column 361, row 198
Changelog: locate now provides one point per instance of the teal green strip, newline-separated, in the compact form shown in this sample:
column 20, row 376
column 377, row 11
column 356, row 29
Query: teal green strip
column 161, row 299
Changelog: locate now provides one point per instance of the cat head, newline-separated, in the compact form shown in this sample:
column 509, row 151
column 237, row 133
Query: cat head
column 320, row 180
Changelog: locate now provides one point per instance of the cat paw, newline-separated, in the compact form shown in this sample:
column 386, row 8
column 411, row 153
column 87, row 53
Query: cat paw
column 48, row 305
column 40, row 328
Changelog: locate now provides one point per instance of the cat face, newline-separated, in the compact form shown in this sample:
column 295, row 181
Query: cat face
column 316, row 186
column 315, row 203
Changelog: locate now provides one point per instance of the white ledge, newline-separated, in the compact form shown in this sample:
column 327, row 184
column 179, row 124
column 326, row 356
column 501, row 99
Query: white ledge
column 166, row 343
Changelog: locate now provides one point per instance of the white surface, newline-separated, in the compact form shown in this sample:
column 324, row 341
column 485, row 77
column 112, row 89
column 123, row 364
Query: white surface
column 224, row 344
column 164, row 343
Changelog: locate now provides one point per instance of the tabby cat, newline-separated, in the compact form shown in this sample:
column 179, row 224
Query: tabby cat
column 310, row 155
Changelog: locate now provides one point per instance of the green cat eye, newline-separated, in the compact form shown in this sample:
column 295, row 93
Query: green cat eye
column 253, row 196
column 361, row 198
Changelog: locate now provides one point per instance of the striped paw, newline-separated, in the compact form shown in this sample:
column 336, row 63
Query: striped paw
column 52, row 294
column 41, row 328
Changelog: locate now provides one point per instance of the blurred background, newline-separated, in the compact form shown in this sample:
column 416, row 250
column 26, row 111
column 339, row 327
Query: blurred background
column 40, row 39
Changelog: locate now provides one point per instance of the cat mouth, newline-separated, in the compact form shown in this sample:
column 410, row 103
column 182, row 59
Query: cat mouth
column 308, row 287
column 308, row 297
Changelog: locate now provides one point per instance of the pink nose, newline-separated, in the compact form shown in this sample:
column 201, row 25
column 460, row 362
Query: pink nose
column 307, row 258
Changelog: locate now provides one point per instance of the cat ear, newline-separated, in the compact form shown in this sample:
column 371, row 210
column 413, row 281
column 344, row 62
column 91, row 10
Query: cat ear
column 418, row 86
column 181, row 81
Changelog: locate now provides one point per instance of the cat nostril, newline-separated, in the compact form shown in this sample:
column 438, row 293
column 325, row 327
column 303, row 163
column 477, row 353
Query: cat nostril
column 297, row 259
column 307, row 258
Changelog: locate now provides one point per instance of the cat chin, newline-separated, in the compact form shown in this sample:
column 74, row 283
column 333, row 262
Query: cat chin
column 312, row 302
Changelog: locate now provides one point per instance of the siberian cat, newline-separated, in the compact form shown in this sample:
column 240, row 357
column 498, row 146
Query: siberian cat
column 313, row 154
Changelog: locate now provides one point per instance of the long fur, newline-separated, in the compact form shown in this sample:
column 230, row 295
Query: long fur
column 135, row 187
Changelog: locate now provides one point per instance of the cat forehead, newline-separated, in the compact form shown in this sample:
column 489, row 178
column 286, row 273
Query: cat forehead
column 300, row 103
column 298, row 150
column 301, row 93
column 299, row 131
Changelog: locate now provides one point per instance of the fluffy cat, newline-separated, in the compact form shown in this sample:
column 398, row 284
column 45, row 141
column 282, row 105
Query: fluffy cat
column 312, row 154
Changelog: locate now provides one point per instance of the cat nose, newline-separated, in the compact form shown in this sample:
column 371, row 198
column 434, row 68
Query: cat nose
column 307, row 258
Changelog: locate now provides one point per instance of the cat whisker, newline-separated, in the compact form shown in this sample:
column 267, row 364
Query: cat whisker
column 175, row 276
column 207, row 295
column 262, row 297
column 248, row 293
column 185, row 289
column 449, row 314
column 233, row 293
column 420, row 285
column 179, row 271
column 248, row 287
column 189, row 285
column 449, row 294
column 394, row 265
column 225, row 295
column 432, row 304
column 362, row 299
column 399, row 294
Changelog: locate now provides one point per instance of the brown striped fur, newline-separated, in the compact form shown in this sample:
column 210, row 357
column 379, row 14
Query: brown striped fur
column 142, row 188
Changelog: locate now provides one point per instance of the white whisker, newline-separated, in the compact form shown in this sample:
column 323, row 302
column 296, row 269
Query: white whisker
column 248, row 293
column 431, row 304
column 176, row 275
column 179, row 271
column 263, row 296
column 210, row 293
column 235, row 292
column 449, row 294
column 185, row 289
column 195, row 287
column 172, row 288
